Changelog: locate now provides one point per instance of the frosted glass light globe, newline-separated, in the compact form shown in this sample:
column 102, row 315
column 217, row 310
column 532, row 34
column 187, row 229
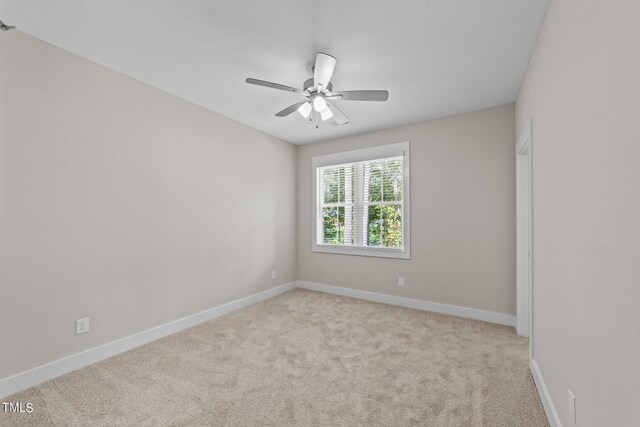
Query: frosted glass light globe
column 319, row 104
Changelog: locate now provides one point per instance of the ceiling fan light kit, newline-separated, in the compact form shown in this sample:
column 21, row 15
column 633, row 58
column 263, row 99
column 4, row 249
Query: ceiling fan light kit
column 305, row 110
column 326, row 114
column 319, row 93
column 319, row 104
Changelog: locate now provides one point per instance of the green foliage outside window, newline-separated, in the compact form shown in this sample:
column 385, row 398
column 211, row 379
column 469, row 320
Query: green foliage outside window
column 385, row 226
column 382, row 207
column 333, row 226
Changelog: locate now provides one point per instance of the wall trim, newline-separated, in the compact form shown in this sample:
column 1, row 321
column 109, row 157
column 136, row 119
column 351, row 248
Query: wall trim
column 454, row 310
column 545, row 397
column 35, row 376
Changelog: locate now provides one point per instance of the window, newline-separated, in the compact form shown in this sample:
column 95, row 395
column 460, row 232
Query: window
column 361, row 203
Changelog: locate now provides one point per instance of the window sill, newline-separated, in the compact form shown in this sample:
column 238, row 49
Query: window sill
column 371, row 252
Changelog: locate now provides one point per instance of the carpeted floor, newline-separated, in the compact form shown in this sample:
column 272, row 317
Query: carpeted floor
column 304, row 359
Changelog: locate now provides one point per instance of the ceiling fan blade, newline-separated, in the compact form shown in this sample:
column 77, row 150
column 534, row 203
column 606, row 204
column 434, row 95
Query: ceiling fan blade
column 362, row 95
column 290, row 109
column 273, row 85
column 323, row 70
column 339, row 116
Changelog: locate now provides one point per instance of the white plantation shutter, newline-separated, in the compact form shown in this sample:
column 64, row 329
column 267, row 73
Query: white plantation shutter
column 360, row 205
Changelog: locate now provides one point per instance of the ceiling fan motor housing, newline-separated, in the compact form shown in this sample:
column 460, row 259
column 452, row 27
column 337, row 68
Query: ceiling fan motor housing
column 309, row 86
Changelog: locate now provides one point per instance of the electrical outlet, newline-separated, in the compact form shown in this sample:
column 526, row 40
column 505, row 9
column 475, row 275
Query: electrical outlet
column 572, row 406
column 273, row 274
column 400, row 281
column 82, row 326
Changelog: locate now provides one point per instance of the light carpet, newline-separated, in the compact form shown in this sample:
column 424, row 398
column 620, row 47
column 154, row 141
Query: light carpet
column 304, row 359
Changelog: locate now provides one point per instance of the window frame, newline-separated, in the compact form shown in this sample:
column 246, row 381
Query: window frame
column 362, row 155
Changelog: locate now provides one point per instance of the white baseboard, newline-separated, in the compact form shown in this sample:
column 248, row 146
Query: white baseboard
column 59, row 367
column 547, row 403
column 65, row 365
column 454, row 310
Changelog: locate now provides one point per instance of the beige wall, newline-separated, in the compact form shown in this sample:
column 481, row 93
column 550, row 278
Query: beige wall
column 462, row 214
column 582, row 89
column 125, row 204
column 115, row 204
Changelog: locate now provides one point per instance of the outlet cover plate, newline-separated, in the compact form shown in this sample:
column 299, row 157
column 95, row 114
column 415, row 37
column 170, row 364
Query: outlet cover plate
column 82, row 326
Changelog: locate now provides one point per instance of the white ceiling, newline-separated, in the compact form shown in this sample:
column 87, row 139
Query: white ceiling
column 435, row 57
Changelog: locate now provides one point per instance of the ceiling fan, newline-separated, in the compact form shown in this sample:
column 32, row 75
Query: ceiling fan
column 319, row 96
